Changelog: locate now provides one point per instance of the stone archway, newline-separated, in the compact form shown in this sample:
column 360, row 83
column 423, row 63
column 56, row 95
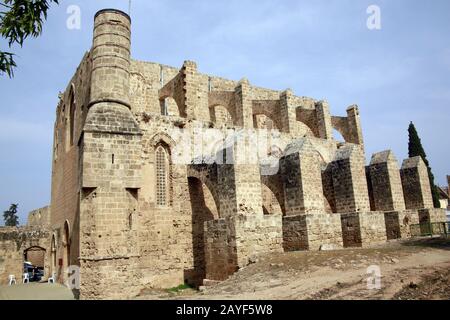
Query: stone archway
column 66, row 250
column 204, row 209
column 52, row 256
column 221, row 115
column 35, row 255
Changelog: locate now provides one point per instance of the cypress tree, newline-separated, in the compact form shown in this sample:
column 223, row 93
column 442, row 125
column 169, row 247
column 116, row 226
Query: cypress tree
column 10, row 216
column 415, row 149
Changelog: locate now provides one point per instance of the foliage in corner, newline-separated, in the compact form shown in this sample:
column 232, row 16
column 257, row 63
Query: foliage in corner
column 10, row 216
column 20, row 19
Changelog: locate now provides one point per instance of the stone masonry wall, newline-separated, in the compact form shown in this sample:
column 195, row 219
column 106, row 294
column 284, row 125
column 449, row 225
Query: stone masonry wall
column 302, row 179
column 312, row 232
column 386, row 183
column 13, row 243
column 363, row 229
column 220, row 249
column 416, row 185
column 398, row 223
column 349, row 180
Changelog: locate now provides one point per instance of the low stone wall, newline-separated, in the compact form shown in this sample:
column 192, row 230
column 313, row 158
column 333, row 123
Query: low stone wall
column 407, row 218
column 11, row 258
column 312, row 232
column 398, row 223
column 231, row 242
column 256, row 235
column 13, row 243
column 432, row 215
column 363, row 229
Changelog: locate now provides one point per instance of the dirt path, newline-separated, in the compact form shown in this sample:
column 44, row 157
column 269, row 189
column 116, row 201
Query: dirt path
column 35, row 291
column 409, row 270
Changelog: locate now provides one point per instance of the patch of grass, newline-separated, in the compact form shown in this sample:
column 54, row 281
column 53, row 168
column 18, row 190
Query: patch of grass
column 181, row 287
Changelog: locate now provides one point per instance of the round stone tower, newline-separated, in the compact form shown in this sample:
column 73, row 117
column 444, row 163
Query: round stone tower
column 111, row 58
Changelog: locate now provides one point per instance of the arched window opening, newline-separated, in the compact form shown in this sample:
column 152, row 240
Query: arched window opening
column 338, row 136
column 169, row 107
column 221, row 116
column 162, row 176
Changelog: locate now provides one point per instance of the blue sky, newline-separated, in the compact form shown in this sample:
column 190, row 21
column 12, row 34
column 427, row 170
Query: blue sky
column 319, row 48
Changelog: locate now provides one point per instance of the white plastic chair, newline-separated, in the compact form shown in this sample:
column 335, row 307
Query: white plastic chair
column 52, row 278
column 26, row 278
column 12, row 278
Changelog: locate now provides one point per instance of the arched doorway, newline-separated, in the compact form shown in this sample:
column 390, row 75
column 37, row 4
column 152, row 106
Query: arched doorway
column 53, row 257
column 203, row 209
column 34, row 262
column 66, row 249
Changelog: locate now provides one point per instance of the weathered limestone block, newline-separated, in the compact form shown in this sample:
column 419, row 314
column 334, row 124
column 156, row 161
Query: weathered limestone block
column 111, row 58
column 220, row 249
column 190, row 88
column 39, row 217
column 243, row 103
column 386, row 182
column 312, row 232
column 363, row 229
column 349, row 180
column 16, row 244
column 111, row 278
column 256, row 235
column 111, row 175
column 231, row 242
column 432, row 215
column 323, row 115
column 416, row 184
column 302, row 179
column 350, row 126
column 354, row 123
column 398, row 223
column 287, row 111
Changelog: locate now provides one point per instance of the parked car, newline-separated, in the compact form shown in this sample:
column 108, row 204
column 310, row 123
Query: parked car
column 35, row 273
column 28, row 268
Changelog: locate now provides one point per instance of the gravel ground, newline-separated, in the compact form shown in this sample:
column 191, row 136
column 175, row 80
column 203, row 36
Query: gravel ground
column 416, row 269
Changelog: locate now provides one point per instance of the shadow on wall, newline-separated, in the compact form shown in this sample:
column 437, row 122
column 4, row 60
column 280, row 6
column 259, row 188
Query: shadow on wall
column 199, row 196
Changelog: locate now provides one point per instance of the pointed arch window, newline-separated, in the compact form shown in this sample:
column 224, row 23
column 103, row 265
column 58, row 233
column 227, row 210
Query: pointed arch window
column 162, row 176
column 72, row 119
